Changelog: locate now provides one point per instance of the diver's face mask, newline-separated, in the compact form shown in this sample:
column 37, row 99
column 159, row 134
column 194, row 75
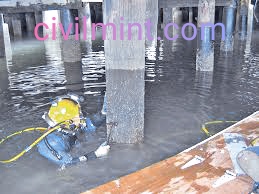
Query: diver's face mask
column 65, row 108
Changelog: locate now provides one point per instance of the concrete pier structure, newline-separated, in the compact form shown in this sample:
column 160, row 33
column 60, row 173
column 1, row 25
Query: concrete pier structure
column 177, row 15
column 229, row 20
column 17, row 27
column 67, row 19
column 125, row 66
column 190, row 14
column 52, row 18
column 85, row 22
column 38, row 17
column 30, row 22
column 167, row 16
column 243, row 16
column 205, row 48
column 2, row 44
column 71, row 49
column 5, row 43
column 152, row 16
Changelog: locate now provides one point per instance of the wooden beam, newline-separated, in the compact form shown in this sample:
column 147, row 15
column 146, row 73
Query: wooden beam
column 189, row 3
column 173, row 176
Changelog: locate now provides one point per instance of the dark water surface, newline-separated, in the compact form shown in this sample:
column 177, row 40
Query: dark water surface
column 177, row 101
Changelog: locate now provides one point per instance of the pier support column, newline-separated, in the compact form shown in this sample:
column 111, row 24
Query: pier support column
column 67, row 19
column 190, row 15
column 250, row 22
column 49, row 17
column 5, row 43
column 52, row 47
column 85, row 22
column 30, row 22
column 250, row 19
column 152, row 15
column 167, row 16
column 17, row 27
column 177, row 15
column 71, row 50
column 8, row 20
column 125, row 66
column 2, row 44
column 205, row 48
column 229, row 20
column 243, row 15
column 38, row 19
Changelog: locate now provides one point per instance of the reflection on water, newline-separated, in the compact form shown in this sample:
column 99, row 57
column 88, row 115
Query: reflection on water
column 177, row 101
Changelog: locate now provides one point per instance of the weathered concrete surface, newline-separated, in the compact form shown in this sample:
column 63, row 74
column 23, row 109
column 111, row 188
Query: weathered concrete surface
column 152, row 16
column 229, row 20
column 17, row 27
column 125, row 64
column 85, row 25
column 169, row 176
column 71, row 50
column 205, row 47
column 243, row 19
column 30, row 22
column 5, row 43
column 2, row 45
column 48, row 19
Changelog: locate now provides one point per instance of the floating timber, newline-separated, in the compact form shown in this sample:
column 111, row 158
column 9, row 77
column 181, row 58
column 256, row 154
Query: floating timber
column 204, row 168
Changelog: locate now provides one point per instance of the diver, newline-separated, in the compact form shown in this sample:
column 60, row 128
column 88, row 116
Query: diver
column 65, row 113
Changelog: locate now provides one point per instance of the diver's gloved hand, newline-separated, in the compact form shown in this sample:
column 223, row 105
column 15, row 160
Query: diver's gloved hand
column 103, row 150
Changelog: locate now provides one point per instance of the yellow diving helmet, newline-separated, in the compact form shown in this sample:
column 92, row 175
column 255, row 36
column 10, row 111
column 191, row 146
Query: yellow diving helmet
column 64, row 108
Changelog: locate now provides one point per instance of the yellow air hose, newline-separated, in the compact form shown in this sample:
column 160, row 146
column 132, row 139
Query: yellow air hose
column 205, row 128
column 48, row 131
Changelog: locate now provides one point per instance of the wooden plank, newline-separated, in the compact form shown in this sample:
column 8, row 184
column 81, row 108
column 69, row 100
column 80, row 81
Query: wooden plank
column 189, row 3
column 168, row 177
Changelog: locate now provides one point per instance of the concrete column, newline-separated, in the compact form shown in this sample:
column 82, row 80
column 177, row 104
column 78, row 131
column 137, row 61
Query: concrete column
column 5, row 43
column 177, row 16
column 38, row 19
column 229, row 20
column 17, row 27
column 30, row 22
column 125, row 67
column 243, row 11
column 2, row 44
column 67, row 19
column 250, row 19
column 4, row 81
column 74, row 75
column 52, row 47
column 250, row 23
column 167, row 16
column 71, row 49
column 85, row 22
column 220, row 14
column 190, row 15
column 152, row 15
column 52, row 17
column 205, row 48
column 8, row 20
